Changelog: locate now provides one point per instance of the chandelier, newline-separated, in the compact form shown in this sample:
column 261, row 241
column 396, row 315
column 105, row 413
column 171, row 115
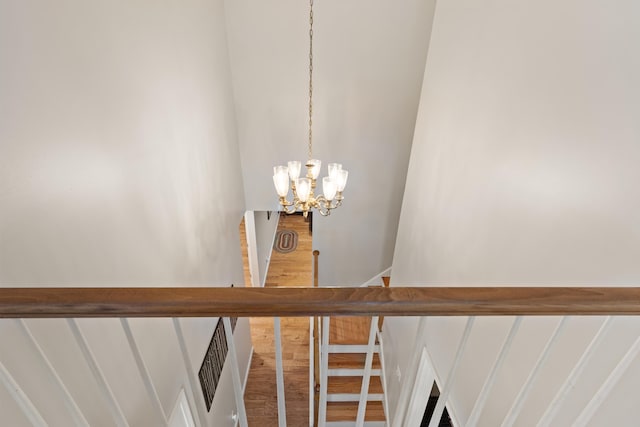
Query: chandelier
column 303, row 189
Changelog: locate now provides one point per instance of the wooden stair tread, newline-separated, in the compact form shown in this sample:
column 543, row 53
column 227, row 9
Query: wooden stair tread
column 349, row 330
column 353, row 385
column 351, row 361
column 348, row 411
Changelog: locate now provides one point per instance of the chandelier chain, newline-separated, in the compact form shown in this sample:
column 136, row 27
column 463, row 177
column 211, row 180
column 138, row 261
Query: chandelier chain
column 287, row 178
column 310, row 76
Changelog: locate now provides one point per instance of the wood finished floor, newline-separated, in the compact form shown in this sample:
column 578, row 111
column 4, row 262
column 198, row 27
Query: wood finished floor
column 295, row 269
column 291, row 269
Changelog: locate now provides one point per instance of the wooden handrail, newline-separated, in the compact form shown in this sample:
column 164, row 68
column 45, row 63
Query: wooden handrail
column 324, row 301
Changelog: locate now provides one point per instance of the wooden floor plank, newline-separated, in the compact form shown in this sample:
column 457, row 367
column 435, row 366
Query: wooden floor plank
column 294, row 269
column 290, row 269
column 347, row 411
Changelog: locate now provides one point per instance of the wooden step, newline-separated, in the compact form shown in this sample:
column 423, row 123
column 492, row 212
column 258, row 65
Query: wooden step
column 351, row 384
column 348, row 411
column 351, row 361
column 349, row 330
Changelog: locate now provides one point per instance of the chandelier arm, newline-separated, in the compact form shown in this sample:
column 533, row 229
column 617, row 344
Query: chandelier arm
column 284, row 202
column 290, row 211
column 287, row 206
column 324, row 205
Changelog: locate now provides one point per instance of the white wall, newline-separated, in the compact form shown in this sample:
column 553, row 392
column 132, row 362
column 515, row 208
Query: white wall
column 523, row 172
column 266, row 224
column 368, row 63
column 118, row 142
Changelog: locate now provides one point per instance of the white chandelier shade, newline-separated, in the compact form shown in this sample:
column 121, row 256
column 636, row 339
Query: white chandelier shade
column 304, row 198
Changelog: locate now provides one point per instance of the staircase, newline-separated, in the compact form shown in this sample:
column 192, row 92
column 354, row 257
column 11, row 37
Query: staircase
column 350, row 388
column 347, row 354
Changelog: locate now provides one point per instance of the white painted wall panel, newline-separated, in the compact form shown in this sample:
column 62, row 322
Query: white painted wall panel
column 58, row 344
column 266, row 224
column 32, row 377
column 119, row 166
column 521, row 172
column 10, row 409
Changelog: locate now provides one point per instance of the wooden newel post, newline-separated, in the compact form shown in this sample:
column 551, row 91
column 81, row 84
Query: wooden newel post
column 316, row 253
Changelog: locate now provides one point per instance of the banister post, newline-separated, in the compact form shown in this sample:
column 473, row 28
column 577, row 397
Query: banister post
column 316, row 340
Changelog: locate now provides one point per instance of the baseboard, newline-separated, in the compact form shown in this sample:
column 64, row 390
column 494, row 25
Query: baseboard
column 246, row 374
column 383, row 377
column 246, row 378
column 273, row 240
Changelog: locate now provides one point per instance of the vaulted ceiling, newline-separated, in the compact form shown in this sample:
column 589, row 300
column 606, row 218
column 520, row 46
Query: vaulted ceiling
column 369, row 59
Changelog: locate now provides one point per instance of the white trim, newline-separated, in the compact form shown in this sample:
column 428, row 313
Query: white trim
column 232, row 355
column 366, row 378
column 98, row 375
column 377, row 279
column 350, row 372
column 252, row 247
column 311, row 372
column 493, row 374
column 350, row 424
column 351, row 348
column 571, row 380
column 273, row 240
column 282, row 408
column 353, row 397
column 421, row 391
column 383, row 377
column 21, row 398
column 448, row 386
column 69, row 401
column 405, row 385
column 181, row 409
column 144, row 372
column 201, row 419
column 608, row 385
column 246, row 379
column 518, row 403
column 324, row 370
column 246, row 373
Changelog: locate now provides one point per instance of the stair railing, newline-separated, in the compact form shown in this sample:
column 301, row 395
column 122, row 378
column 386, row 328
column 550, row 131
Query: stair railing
column 394, row 301
column 320, row 357
column 366, row 377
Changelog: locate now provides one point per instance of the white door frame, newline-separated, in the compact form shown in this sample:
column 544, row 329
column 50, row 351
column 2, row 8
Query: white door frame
column 252, row 248
column 421, row 391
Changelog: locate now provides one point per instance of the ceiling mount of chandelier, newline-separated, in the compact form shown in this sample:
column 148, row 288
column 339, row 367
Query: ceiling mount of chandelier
column 303, row 189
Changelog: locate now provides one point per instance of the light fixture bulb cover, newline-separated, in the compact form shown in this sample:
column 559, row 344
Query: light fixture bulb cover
column 303, row 188
column 332, row 168
column 281, row 180
column 329, row 188
column 341, row 179
column 314, row 166
column 294, row 169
